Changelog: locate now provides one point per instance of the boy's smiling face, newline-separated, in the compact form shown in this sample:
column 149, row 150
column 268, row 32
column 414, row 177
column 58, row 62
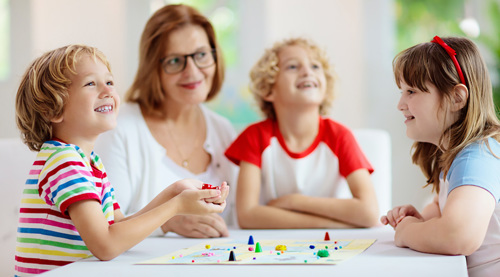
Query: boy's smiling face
column 301, row 79
column 92, row 105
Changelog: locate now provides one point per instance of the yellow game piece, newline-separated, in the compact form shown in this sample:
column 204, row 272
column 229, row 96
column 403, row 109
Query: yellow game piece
column 207, row 246
column 280, row 247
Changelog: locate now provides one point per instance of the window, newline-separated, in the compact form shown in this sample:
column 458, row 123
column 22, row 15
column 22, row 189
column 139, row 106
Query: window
column 4, row 39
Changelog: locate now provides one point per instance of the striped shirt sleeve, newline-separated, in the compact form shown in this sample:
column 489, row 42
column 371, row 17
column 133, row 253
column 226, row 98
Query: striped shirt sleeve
column 66, row 179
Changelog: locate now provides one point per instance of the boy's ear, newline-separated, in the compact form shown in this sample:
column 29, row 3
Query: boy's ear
column 460, row 96
column 270, row 96
column 58, row 119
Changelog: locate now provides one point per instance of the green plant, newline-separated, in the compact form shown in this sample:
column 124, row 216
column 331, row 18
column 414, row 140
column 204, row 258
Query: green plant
column 491, row 40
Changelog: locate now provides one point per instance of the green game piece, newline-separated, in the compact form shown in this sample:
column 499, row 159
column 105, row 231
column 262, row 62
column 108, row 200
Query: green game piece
column 323, row 253
column 258, row 249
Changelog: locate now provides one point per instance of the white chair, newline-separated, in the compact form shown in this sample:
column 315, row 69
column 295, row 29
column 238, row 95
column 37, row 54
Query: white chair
column 15, row 163
column 376, row 144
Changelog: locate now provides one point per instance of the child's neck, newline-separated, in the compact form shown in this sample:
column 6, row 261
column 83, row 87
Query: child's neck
column 85, row 144
column 299, row 130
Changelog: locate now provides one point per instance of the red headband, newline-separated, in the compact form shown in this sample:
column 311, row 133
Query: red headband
column 452, row 53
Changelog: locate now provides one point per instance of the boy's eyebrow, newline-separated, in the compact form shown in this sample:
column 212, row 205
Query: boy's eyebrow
column 288, row 59
column 109, row 74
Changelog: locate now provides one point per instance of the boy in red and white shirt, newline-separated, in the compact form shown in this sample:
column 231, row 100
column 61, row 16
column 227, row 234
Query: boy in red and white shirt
column 292, row 163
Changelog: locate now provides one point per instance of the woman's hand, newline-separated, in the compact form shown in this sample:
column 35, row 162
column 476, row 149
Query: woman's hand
column 197, row 226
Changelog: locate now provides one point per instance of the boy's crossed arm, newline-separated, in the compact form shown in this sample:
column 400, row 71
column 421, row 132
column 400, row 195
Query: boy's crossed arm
column 359, row 211
column 252, row 215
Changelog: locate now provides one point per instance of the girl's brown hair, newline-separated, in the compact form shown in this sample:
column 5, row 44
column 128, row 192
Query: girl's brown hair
column 146, row 89
column 429, row 62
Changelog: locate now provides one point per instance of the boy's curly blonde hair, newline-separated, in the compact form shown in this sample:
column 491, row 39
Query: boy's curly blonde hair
column 43, row 91
column 264, row 73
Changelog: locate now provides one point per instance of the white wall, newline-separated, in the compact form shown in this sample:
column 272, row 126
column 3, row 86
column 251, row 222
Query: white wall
column 358, row 35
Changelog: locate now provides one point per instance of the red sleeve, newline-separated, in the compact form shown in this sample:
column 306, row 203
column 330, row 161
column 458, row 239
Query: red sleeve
column 250, row 144
column 343, row 143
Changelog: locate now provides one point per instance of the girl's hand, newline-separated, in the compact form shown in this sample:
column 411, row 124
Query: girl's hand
column 192, row 201
column 397, row 214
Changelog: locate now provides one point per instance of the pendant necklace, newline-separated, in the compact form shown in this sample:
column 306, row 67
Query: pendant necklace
column 185, row 159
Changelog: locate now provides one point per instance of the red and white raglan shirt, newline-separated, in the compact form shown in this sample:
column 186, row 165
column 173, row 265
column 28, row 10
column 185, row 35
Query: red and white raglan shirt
column 59, row 177
column 317, row 171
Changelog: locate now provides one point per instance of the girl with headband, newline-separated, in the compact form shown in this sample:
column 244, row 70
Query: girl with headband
column 447, row 103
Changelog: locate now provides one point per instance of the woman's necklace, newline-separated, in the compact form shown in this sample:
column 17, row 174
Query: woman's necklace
column 185, row 158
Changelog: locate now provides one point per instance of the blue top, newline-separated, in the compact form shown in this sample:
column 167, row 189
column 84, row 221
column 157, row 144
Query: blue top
column 476, row 165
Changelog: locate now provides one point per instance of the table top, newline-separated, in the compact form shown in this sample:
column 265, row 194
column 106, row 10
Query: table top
column 383, row 258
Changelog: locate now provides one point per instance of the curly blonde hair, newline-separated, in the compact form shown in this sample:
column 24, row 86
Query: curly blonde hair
column 264, row 73
column 43, row 91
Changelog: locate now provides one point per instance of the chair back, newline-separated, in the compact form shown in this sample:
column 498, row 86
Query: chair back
column 15, row 163
column 376, row 144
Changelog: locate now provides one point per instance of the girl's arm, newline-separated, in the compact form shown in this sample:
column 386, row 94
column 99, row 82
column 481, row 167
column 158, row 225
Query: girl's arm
column 432, row 209
column 460, row 230
column 252, row 215
column 360, row 211
column 108, row 241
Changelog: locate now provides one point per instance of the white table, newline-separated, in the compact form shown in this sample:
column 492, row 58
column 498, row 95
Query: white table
column 383, row 258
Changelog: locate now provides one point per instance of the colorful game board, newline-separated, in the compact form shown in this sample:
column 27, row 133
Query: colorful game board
column 297, row 252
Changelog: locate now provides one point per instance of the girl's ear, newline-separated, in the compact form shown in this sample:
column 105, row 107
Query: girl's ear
column 460, row 96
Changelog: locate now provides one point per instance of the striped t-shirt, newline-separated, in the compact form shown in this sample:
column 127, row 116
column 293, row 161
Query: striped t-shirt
column 59, row 177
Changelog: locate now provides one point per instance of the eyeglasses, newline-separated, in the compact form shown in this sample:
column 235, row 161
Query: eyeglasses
column 177, row 63
column 452, row 53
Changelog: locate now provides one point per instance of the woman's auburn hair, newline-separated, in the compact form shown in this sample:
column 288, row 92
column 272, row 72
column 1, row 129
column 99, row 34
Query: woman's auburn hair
column 429, row 62
column 264, row 73
column 146, row 89
column 43, row 91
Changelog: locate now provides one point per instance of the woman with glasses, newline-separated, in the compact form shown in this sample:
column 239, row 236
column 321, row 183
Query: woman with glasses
column 164, row 131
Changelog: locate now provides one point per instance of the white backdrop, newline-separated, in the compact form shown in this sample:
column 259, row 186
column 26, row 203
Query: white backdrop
column 358, row 35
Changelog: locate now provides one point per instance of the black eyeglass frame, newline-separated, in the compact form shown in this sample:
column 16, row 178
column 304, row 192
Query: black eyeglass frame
column 213, row 51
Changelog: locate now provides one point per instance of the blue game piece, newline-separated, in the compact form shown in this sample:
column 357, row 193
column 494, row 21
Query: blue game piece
column 311, row 246
column 250, row 241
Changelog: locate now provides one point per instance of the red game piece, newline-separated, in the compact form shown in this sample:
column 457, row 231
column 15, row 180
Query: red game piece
column 208, row 186
column 327, row 236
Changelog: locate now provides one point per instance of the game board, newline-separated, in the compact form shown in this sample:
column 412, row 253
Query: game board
column 297, row 252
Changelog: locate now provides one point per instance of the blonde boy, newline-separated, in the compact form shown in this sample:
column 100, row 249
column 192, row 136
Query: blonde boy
column 68, row 211
column 291, row 164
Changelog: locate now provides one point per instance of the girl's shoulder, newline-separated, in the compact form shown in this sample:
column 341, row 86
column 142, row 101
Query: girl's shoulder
column 489, row 148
